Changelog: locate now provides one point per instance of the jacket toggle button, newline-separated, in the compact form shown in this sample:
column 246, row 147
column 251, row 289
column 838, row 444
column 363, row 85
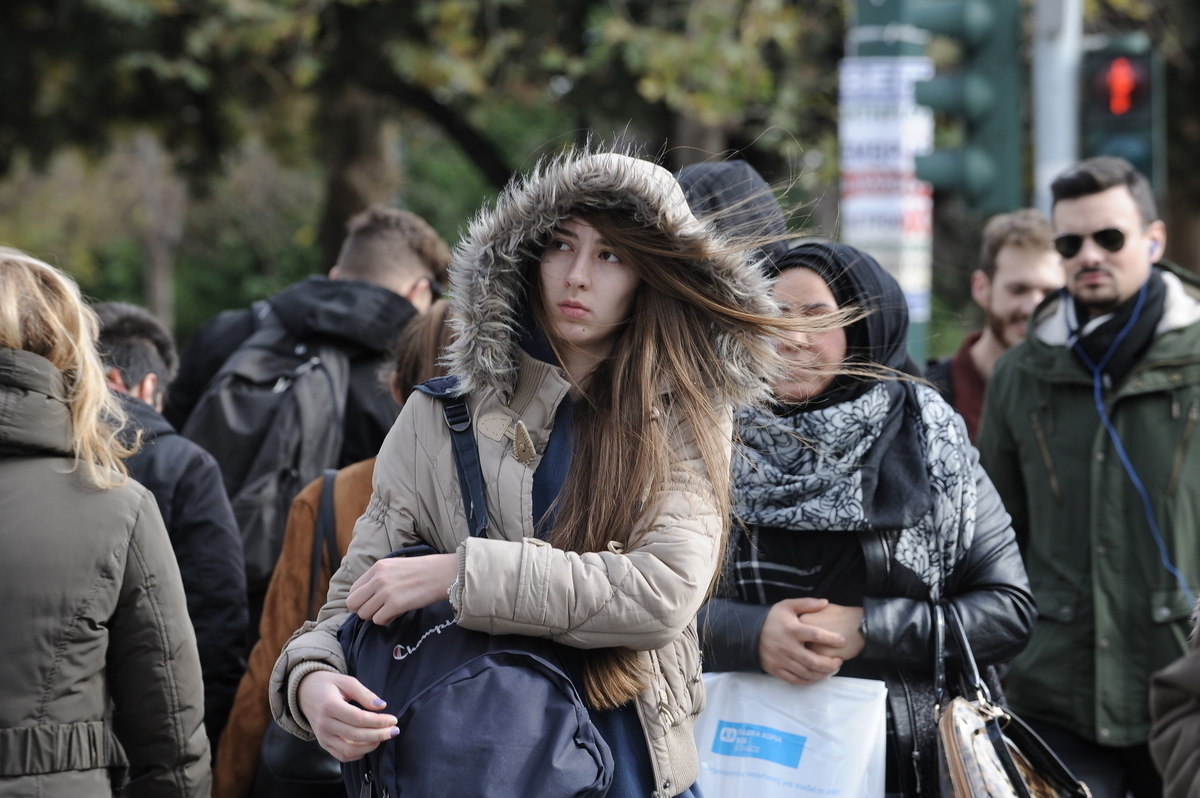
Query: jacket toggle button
column 1162, row 613
column 1105, row 734
column 1101, row 551
column 1104, row 644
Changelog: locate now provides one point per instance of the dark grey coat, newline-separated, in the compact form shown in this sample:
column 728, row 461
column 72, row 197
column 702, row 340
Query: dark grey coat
column 99, row 675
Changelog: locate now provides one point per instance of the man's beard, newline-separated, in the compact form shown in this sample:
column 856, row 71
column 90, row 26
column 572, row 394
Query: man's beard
column 1001, row 327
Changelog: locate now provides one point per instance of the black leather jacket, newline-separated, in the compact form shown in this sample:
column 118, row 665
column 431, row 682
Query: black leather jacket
column 990, row 590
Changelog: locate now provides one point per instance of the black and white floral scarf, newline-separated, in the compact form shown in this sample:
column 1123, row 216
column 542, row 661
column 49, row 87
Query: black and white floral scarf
column 807, row 471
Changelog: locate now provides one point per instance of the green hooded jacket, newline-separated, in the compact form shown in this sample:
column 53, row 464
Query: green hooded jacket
column 1110, row 613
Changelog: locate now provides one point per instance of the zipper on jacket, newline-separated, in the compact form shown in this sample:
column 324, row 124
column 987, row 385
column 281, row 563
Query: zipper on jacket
column 1192, row 415
column 1041, row 439
column 658, row 779
column 916, row 745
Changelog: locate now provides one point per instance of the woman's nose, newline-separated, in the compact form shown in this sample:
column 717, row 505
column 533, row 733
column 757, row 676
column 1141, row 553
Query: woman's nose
column 579, row 271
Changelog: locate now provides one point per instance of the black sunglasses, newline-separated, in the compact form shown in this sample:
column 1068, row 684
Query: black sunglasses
column 1069, row 244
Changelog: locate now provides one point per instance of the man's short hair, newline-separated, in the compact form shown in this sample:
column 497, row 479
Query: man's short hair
column 1100, row 174
column 135, row 343
column 1027, row 228
column 383, row 244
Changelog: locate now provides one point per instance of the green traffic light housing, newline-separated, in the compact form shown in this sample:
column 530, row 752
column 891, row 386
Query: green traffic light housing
column 970, row 94
column 987, row 94
column 969, row 20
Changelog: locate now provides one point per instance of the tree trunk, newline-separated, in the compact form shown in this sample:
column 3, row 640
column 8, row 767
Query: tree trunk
column 695, row 142
column 164, row 198
column 361, row 163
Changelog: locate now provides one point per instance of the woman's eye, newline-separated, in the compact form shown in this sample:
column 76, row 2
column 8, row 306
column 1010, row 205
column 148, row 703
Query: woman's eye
column 559, row 245
column 610, row 257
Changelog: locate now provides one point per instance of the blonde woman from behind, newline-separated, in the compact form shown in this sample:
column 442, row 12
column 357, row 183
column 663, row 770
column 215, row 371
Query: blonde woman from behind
column 100, row 687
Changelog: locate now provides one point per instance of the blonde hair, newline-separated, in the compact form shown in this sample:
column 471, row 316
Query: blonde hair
column 41, row 311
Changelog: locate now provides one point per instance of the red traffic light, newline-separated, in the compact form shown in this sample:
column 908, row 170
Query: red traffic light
column 1120, row 84
column 1121, row 79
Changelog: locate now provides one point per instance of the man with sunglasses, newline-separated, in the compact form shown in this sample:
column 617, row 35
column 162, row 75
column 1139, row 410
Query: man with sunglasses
column 1086, row 433
column 1018, row 267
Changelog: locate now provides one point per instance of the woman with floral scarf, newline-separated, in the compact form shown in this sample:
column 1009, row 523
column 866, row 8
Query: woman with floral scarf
column 861, row 503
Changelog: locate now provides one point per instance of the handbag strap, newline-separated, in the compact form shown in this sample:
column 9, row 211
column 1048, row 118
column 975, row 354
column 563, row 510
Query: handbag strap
column 946, row 615
column 939, row 658
column 324, row 533
column 975, row 682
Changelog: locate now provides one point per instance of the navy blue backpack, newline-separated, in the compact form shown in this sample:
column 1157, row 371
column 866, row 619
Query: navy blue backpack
column 493, row 716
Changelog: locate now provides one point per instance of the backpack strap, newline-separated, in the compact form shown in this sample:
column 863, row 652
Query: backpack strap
column 325, row 532
column 466, row 450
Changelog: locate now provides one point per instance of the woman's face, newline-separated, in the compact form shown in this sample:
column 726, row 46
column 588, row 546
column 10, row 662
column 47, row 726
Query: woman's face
column 588, row 291
column 812, row 358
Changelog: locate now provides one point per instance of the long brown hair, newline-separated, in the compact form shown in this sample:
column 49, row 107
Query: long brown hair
column 634, row 405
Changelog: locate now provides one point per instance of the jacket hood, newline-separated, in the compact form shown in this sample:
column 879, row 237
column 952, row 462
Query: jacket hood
column 1053, row 318
column 34, row 416
column 353, row 310
column 489, row 268
column 739, row 203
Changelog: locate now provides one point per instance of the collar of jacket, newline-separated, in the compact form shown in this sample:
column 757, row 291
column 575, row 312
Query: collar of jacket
column 34, row 416
column 355, row 311
column 1177, row 342
column 141, row 416
column 489, row 270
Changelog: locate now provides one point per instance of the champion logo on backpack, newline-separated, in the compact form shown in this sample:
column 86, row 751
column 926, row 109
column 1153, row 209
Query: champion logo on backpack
column 403, row 652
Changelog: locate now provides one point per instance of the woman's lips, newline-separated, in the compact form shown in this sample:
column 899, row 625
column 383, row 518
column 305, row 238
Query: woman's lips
column 573, row 309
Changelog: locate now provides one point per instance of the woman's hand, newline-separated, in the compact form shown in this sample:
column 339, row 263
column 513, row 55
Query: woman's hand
column 399, row 584
column 844, row 621
column 783, row 644
column 342, row 729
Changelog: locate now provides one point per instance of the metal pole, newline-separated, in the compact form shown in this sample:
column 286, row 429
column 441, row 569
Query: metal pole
column 1057, row 48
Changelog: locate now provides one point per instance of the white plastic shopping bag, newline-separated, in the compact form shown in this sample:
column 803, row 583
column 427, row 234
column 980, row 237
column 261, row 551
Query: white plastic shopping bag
column 762, row 737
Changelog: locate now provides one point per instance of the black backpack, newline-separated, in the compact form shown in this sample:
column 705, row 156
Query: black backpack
column 480, row 715
column 272, row 416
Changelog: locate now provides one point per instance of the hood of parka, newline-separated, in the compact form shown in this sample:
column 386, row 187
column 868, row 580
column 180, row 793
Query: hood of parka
column 34, row 414
column 489, row 270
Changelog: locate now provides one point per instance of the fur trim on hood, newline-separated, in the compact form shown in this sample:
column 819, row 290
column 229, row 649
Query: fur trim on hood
column 489, row 267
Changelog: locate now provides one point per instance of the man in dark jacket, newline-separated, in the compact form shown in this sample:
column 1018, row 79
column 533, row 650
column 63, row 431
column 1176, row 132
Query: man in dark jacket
column 1086, row 434
column 139, row 357
column 387, row 272
column 1018, row 268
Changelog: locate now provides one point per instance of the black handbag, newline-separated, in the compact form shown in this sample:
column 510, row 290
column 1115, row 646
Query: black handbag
column 289, row 767
column 984, row 750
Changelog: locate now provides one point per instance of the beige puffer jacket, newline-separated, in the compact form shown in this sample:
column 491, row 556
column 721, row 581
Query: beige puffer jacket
column 512, row 582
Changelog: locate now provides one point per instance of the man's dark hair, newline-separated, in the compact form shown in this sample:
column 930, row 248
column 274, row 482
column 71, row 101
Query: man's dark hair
column 1027, row 228
column 135, row 343
column 384, row 242
column 1100, row 174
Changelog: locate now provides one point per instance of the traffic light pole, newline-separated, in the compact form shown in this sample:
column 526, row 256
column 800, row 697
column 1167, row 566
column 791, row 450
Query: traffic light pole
column 1057, row 48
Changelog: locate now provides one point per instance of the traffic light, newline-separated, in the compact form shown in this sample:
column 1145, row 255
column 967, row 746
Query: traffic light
column 987, row 93
column 1123, row 105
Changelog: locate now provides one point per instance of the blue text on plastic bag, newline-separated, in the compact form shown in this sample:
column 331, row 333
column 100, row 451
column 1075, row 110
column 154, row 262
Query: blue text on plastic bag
column 760, row 742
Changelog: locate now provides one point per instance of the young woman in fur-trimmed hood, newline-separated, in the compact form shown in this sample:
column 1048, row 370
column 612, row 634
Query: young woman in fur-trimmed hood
column 599, row 321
